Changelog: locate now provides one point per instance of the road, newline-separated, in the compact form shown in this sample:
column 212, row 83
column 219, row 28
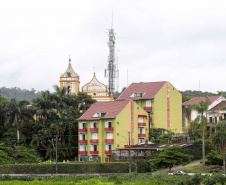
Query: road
column 180, row 167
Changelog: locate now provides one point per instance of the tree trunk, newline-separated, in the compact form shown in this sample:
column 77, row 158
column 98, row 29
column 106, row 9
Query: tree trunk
column 223, row 155
column 203, row 150
column 18, row 134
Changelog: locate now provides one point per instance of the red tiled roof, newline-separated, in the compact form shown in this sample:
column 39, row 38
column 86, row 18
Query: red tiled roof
column 149, row 88
column 113, row 108
column 219, row 106
column 196, row 100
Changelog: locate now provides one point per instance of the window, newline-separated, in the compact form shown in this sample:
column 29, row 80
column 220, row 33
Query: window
column 148, row 103
column 109, row 147
column 141, row 140
column 141, row 131
column 140, row 119
column 108, row 124
column 109, row 135
column 82, row 147
column 69, row 74
column 93, row 148
column 149, row 125
column 93, row 125
column 99, row 114
column 210, row 119
column 94, row 136
column 84, row 125
column 137, row 94
column 82, row 137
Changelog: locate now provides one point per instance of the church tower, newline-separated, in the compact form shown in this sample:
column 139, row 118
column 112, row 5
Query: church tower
column 70, row 80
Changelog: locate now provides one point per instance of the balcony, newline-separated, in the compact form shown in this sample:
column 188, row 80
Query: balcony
column 141, row 124
column 82, row 141
column 109, row 140
column 141, row 135
column 142, row 115
column 82, row 152
column 108, row 152
column 147, row 108
column 82, row 130
column 126, row 146
column 150, row 118
column 94, row 152
column 150, row 129
column 93, row 129
column 94, row 141
column 109, row 129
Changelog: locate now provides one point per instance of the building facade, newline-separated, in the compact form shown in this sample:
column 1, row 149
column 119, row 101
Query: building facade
column 97, row 90
column 109, row 125
column 70, row 80
column 161, row 100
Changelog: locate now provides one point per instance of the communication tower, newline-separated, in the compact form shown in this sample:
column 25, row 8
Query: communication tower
column 112, row 71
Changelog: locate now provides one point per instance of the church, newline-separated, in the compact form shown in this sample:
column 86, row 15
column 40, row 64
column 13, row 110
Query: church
column 97, row 90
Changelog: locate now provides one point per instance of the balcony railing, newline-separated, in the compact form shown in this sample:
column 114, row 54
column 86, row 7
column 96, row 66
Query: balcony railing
column 82, row 152
column 94, row 141
column 147, row 108
column 109, row 129
column 141, row 135
column 150, row 118
column 82, row 141
column 94, row 152
column 108, row 152
column 141, row 124
column 109, row 140
column 150, row 129
column 82, row 130
column 93, row 129
column 142, row 115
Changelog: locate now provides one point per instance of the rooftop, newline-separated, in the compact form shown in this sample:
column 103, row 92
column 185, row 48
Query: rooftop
column 149, row 90
column 111, row 108
column 196, row 100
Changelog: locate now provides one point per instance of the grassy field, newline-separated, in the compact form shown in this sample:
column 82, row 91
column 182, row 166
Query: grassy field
column 198, row 169
column 131, row 179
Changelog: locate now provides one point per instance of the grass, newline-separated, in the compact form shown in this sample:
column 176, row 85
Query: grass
column 198, row 169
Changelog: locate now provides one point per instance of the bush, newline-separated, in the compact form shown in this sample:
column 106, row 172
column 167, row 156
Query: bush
column 213, row 158
column 143, row 166
column 66, row 168
column 214, row 179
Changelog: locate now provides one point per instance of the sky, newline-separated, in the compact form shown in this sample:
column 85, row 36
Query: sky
column 180, row 41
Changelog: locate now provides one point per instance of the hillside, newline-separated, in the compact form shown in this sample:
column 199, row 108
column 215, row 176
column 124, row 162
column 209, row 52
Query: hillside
column 20, row 94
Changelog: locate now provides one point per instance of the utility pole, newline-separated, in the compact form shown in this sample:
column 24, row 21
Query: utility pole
column 129, row 154
column 56, row 154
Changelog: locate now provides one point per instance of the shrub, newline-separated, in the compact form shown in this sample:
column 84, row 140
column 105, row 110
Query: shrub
column 67, row 168
column 143, row 166
column 213, row 158
column 214, row 179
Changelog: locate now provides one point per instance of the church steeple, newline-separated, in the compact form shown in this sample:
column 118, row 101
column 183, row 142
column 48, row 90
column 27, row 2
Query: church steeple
column 70, row 80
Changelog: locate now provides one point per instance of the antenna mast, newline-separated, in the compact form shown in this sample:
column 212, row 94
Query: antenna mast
column 112, row 71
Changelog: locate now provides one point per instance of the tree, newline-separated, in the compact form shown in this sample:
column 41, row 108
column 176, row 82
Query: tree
column 202, row 108
column 17, row 112
column 219, row 140
column 171, row 156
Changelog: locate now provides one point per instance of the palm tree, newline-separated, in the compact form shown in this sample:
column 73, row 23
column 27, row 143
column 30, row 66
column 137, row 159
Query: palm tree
column 219, row 139
column 202, row 108
column 17, row 112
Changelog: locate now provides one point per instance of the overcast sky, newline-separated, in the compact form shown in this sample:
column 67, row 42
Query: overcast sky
column 156, row 40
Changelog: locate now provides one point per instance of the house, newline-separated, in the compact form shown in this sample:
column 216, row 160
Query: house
column 190, row 115
column 161, row 100
column 217, row 113
column 106, row 126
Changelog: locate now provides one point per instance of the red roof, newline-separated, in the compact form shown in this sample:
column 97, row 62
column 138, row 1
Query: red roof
column 196, row 100
column 219, row 106
column 112, row 108
column 149, row 88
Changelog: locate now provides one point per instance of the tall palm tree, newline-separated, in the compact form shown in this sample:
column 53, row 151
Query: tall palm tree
column 202, row 108
column 17, row 112
column 219, row 139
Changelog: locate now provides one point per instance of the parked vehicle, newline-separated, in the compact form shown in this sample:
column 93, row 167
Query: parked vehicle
column 179, row 173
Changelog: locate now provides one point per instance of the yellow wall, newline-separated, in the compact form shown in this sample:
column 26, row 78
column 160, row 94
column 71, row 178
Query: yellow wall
column 175, row 109
column 121, row 125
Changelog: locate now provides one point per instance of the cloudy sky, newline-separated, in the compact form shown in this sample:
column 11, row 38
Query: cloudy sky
column 156, row 40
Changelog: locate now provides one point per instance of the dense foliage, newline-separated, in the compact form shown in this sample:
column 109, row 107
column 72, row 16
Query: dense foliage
column 29, row 133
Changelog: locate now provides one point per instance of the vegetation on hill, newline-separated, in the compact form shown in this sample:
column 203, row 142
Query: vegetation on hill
column 19, row 94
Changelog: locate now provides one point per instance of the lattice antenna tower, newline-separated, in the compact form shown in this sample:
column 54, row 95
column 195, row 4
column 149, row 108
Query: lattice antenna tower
column 112, row 71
